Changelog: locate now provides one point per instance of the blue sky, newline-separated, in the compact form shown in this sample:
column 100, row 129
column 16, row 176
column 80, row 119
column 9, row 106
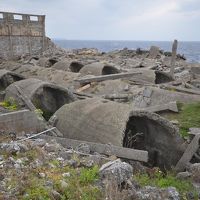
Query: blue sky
column 158, row 20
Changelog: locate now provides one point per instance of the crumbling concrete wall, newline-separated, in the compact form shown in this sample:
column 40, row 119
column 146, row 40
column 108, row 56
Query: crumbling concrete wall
column 21, row 34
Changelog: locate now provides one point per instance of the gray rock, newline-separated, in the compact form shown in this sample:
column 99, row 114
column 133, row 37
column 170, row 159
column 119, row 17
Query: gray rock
column 87, row 162
column 147, row 92
column 13, row 147
column 183, row 175
column 153, row 193
column 42, row 175
column 71, row 163
column 56, row 195
column 66, row 174
column 52, row 147
column 39, row 142
column 63, row 184
column 194, row 169
column 117, row 170
column 83, row 148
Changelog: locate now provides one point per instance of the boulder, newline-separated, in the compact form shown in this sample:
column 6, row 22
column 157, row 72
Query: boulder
column 116, row 171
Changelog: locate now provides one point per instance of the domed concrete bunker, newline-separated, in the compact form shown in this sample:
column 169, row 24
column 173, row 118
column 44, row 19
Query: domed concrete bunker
column 45, row 96
column 7, row 78
column 101, row 121
column 98, row 69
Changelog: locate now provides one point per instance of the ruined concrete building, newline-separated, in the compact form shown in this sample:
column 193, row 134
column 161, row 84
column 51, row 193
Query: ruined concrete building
column 21, row 34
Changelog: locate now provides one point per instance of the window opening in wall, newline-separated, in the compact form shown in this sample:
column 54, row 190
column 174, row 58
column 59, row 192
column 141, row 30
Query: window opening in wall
column 18, row 17
column 1, row 15
column 33, row 18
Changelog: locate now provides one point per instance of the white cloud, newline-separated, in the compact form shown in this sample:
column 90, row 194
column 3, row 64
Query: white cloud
column 114, row 19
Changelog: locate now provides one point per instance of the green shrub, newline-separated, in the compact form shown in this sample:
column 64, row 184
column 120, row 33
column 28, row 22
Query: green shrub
column 161, row 180
column 9, row 104
column 89, row 175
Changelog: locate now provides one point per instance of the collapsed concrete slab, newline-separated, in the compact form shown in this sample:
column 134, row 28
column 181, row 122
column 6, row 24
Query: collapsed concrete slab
column 97, row 120
column 98, row 69
column 21, row 122
column 160, row 96
column 62, row 78
column 7, row 78
column 62, row 65
column 46, row 62
column 45, row 96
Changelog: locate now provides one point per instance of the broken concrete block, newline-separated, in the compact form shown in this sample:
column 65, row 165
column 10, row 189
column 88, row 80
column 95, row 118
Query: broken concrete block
column 154, row 52
column 147, row 92
column 21, row 122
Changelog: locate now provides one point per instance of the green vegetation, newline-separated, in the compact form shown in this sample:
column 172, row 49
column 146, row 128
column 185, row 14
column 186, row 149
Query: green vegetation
column 88, row 176
column 188, row 116
column 9, row 104
column 162, row 180
column 80, row 185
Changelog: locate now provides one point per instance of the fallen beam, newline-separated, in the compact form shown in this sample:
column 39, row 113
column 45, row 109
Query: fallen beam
column 117, row 96
column 21, row 122
column 184, row 90
column 172, row 106
column 107, row 77
column 31, row 107
column 25, row 99
column 106, row 149
column 188, row 154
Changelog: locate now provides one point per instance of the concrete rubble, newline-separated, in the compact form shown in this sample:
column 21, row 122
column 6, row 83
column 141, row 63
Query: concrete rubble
column 97, row 107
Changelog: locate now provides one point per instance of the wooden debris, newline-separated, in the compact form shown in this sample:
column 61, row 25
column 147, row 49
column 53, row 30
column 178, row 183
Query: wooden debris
column 188, row 154
column 85, row 87
column 106, row 149
column 107, row 77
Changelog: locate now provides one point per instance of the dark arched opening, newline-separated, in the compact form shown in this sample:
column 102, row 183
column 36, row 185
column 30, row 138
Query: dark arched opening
column 109, row 70
column 49, row 100
column 144, row 133
column 75, row 66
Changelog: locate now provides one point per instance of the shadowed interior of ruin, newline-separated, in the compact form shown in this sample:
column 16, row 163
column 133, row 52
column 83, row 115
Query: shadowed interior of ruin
column 146, row 134
column 49, row 100
column 8, row 79
column 52, row 61
column 162, row 77
column 109, row 70
column 75, row 67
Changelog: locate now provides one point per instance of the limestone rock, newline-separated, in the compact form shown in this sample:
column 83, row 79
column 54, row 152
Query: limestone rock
column 117, row 170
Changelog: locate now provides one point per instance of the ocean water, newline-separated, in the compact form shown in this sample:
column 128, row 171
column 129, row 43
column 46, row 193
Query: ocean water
column 191, row 50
